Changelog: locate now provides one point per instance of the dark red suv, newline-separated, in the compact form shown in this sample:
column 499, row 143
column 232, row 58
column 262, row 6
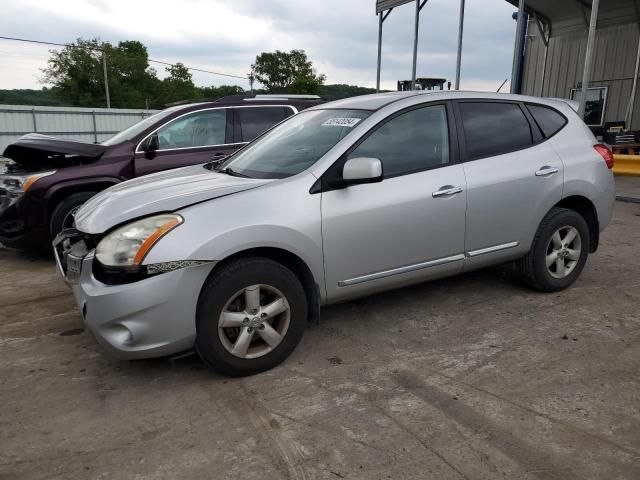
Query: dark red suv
column 50, row 178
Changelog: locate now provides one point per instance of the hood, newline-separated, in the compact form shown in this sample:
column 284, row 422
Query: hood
column 160, row 192
column 38, row 152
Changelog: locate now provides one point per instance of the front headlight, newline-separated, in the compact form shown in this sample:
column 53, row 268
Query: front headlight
column 128, row 245
column 16, row 185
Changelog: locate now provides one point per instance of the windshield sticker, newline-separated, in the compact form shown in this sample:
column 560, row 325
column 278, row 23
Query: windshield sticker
column 341, row 122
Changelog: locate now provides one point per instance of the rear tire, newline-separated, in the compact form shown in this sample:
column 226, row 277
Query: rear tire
column 62, row 216
column 251, row 315
column 558, row 253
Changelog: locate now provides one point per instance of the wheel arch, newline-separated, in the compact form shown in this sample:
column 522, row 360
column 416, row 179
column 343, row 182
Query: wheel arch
column 294, row 263
column 57, row 193
column 587, row 210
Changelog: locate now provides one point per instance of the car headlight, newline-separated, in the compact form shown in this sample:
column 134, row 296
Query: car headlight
column 128, row 245
column 16, row 185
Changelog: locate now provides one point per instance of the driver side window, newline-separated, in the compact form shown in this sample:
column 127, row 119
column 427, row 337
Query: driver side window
column 197, row 129
column 413, row 141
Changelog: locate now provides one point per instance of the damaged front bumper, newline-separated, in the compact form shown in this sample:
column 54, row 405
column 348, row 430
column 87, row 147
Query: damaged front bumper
column 151, row 317
column 17, row 228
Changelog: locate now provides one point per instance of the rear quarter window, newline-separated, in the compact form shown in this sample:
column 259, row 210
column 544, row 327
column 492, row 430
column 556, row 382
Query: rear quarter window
column 256, row 120
column 494, row 128
column 549, row 120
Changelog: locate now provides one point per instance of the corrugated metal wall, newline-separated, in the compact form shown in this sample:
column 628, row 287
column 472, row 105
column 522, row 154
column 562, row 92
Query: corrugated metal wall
column 83, row 124
column 614, row 63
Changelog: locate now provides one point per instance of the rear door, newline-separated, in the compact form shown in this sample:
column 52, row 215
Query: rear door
column 513, row 178
column 192, row 138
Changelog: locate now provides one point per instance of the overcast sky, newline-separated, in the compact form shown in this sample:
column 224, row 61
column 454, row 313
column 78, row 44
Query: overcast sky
column 340, row 36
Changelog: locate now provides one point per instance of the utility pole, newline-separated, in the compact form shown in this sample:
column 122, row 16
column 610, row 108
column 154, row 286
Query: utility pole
column 106, row 80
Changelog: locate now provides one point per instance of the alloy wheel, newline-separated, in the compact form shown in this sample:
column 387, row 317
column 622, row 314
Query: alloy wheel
column 254, row 321
column 563, row 252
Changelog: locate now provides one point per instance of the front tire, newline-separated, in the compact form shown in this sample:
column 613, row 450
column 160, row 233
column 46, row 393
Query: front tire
column 63, row 214
column 251, row 315
column 558, row 253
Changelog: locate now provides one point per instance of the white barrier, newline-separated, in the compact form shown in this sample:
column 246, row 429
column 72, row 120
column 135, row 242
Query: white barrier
column 83, row 124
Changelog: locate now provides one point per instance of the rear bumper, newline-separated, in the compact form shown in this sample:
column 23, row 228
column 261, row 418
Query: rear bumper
column 153, row 317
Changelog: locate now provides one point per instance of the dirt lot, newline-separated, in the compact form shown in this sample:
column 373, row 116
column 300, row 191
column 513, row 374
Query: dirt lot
column 471, row 377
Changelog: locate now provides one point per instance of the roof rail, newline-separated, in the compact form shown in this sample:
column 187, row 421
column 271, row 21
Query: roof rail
column 273, row 96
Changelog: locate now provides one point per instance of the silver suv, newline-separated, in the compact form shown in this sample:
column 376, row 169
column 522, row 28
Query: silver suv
column 342, row 200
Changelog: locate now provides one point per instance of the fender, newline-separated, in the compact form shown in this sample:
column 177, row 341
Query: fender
column 83, row 184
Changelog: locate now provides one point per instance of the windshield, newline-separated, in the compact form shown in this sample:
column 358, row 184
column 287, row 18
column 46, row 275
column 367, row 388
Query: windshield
column 294, row 145
column 129, row 133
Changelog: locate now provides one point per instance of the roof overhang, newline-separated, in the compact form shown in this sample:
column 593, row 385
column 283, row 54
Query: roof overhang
column 610, row 12
column 382, row 5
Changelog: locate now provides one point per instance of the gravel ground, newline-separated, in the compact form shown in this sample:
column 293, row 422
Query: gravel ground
column 467, row 378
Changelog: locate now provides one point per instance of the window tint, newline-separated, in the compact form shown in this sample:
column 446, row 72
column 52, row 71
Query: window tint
column 494, row 128
column 196, row 129
column 257, row 120
column 547, row 119
column 411, row 142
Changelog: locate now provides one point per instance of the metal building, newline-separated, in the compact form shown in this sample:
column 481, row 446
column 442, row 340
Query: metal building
column 555, row 49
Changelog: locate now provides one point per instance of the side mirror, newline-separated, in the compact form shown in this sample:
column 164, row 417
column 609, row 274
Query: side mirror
column 151, row 143
column 362, row 170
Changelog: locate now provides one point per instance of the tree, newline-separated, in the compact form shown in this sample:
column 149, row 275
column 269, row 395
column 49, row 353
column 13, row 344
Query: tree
column 212, row 93
column 76, row 72
column 178, row 85
column 287, row 71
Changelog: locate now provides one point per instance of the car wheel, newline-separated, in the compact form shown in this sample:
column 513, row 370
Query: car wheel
column 251, row 315
column 63, row 214
column 558, row 253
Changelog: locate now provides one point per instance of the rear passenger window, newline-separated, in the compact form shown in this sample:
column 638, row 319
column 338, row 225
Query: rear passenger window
column 549, row 121
column 257, row 120
column 494, row 128
column 411, row 142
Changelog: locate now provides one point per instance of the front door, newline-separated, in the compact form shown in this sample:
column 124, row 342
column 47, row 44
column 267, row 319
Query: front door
column 408, row 227
column 196, row 137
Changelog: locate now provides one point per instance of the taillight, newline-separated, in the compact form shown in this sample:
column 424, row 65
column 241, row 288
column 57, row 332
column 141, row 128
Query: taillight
column 606, row 153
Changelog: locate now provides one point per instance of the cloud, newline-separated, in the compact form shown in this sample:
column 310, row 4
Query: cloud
column 339, row 36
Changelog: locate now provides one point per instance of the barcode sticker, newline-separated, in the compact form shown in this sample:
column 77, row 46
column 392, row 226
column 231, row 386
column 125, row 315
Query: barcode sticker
column 341, row 122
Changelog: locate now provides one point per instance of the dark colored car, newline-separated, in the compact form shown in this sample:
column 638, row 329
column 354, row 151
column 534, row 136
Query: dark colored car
column 50, row 178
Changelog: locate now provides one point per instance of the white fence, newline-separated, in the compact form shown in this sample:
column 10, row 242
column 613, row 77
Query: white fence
column 84, row 124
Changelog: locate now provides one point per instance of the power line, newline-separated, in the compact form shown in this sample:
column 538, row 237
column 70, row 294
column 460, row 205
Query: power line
column 201, row 70
column 101, row 50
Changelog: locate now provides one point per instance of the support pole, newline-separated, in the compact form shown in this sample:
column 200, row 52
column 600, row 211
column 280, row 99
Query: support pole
column 544, row 62
column 415, row 46
column 586, row 74
column 106, row 80
column 380, row 20
column 517, row 48
column 632, row 101
column 459, row 58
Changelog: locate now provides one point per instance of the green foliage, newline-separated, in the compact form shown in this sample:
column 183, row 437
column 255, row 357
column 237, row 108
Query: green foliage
column 343, row 91
column 212, row 92
column 46, row 96
column 76, row 73
column 178, row 85
column 287, row 72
